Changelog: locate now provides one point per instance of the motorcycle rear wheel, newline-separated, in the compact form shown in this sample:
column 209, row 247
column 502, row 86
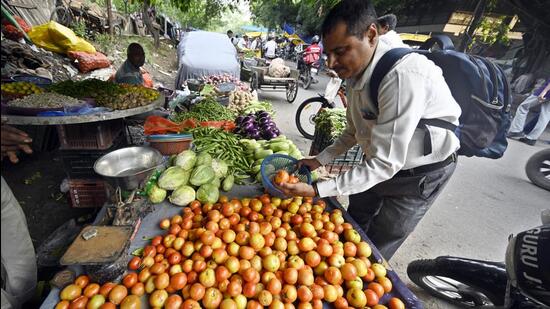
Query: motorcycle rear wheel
column 438, row 282
column 538, row 169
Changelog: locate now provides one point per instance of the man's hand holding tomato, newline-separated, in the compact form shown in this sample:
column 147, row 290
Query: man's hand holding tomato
column 291, row 187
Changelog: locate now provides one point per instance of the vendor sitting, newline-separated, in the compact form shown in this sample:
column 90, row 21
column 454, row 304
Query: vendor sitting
column 130, row 72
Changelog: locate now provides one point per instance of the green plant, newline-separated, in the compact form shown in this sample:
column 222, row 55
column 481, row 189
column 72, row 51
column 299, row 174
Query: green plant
column 79, row 28
column 105, row 43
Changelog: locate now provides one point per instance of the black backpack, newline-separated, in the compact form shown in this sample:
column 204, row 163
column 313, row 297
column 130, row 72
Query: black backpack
column 478, row 85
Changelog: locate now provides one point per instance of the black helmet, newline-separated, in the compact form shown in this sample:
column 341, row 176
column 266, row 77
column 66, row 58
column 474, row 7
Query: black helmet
column 315, row 39
column 527, row 263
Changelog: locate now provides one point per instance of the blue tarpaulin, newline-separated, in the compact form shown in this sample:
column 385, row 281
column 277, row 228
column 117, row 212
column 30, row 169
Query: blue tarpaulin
column 252, row 28
column 288, row 29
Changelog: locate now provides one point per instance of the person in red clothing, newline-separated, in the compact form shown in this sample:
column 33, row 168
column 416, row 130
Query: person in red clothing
column 313, row 51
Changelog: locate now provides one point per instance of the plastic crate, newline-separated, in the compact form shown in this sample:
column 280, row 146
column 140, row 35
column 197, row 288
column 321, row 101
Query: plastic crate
column 95, row 135
column 340, row 164
column 87, row 193
column 79, row 164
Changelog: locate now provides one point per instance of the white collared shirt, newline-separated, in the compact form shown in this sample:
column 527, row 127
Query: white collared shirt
column 392, row 39
column 413, row 89
column 270, row 48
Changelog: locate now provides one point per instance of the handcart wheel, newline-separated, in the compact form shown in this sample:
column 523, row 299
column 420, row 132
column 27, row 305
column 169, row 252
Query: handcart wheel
column 254, row 81
column 291, row 91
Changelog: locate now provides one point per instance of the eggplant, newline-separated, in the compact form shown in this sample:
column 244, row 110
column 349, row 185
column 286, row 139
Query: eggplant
column 264, row 114
column 264, row 120
column 247, row 126
column 239, row 120
column 248, row 119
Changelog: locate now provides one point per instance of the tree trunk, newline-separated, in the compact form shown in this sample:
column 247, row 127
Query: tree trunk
column 110, row 16
column 478, row 14
column 149, row 23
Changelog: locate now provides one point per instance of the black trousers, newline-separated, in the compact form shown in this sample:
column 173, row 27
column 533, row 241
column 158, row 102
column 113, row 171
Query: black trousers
column 389, row 211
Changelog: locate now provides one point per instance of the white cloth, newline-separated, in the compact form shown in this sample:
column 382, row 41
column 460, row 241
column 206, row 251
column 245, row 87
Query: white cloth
column 413, row 89
column 392, row 39
column 18, row 257
column 270, row 48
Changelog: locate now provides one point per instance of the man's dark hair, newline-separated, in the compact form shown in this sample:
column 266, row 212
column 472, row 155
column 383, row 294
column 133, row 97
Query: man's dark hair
column 229, row 32
column 134, row 48
column 358, row 15
column 389, row 20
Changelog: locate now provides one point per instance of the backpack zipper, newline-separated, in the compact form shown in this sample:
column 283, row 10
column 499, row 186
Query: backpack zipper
column 485, row 103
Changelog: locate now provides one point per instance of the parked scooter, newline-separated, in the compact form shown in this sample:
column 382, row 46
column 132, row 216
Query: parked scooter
column 538, row 169
column 522, row 282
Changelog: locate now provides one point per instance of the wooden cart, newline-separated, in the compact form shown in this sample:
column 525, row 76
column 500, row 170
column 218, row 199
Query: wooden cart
column 261, row 80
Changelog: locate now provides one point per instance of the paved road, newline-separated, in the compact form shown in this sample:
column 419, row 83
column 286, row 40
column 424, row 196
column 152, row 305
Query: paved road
column 485, row 201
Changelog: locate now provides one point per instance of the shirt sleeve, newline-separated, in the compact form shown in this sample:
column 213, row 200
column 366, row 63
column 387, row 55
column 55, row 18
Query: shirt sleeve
column 402, row 100
column 341, row 144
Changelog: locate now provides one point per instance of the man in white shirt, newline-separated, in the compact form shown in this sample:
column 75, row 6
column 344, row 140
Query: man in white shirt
column 397, row 182
column 243, row 43
column 270, row 48
column 387, row 32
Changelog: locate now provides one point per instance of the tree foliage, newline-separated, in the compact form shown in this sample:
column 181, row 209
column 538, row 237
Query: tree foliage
column 307, row 15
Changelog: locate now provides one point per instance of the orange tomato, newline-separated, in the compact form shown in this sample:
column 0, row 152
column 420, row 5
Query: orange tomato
column 386, row 283
column 281, row 177
column 396, row 303
column 377, row 288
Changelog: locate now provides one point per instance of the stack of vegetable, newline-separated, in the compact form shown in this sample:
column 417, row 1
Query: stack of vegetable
column 238, row 100
column 223, row 145
column 257, row 126
column 257, row 151
column 206, row 110
column 331, row 122
column 192, row 176
column 20, row 88
column 224, row 78
column 107, row 94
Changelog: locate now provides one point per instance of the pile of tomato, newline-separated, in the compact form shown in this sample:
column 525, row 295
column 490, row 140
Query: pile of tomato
column 249, row 253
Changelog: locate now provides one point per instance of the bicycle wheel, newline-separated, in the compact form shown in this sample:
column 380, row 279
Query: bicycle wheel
column 62, row 16
column 306, row 113
column 443, row 284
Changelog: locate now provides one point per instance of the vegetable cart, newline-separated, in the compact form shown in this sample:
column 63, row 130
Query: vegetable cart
column 261, row 80
column 150, row 227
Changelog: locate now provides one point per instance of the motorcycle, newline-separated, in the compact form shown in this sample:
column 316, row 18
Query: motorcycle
column 306, row 71
column 522, row 281
column 538, row 169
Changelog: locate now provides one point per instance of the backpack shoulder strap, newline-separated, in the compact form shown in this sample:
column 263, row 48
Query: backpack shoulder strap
column 382, row 68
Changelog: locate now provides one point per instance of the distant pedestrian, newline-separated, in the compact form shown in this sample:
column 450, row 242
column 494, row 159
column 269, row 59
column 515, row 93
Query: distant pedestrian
column 387, row 24
column 540, row 96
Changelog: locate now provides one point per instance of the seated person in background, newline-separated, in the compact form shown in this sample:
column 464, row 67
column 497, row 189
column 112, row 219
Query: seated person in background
column 130, row 71
column 388, row 35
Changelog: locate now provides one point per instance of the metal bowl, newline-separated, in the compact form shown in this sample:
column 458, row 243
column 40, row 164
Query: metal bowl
column 195, row 85
column 127, row 168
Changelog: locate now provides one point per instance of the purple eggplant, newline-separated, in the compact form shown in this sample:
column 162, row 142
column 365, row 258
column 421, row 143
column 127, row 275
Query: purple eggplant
column 247, row 126
column 263, row 114
column 264, row 120
column 239, row 120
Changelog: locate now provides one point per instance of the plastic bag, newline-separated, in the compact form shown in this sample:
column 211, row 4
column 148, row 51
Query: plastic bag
column 160, row 125
column 59, row 39
column 332, row 88
column 40, row 36
column 88, row 62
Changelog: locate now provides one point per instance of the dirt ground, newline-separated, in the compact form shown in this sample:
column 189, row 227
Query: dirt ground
column 160, row 62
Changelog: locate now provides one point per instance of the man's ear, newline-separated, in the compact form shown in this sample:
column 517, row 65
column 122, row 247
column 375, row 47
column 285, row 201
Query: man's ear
column 371, row 34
